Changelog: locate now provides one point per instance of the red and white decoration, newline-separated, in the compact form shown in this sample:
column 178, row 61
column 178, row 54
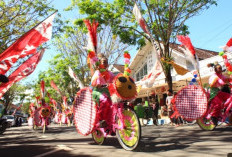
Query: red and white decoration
column 53, row 85
column 84, row 112
column 26, row 44
column 228, row 46
column 74, row 76
column 140, row 19
column 189, row 50
column 22, row 71
column 149, row 80
column 191, row 102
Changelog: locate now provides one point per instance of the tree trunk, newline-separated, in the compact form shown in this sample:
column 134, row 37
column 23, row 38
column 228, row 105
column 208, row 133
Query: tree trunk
column 169, row 79
column 167, row 67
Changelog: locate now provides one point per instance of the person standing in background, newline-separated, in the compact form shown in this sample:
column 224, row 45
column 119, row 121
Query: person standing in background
column 169, row 105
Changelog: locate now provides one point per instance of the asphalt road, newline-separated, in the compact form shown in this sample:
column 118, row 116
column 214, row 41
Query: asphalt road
column 158, row 141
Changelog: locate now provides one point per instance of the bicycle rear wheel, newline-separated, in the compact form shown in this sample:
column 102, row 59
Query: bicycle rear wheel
column 206, row 124
column 129, row 135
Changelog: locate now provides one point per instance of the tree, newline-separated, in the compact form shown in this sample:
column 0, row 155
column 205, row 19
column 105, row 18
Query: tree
column 15, row 94
column 17, row 17
column 74, row 41
column 58, row 72
column 165, row 18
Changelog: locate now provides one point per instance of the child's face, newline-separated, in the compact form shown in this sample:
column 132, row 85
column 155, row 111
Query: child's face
column 104, row 62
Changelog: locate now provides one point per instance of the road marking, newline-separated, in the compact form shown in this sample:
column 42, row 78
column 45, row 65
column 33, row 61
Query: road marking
column 47, row 153
column 64, row 147
column 58, row 148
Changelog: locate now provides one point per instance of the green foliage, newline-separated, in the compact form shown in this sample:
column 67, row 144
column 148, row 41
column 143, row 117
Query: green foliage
column 58, row 72
column 18, row 17
column 16, row 93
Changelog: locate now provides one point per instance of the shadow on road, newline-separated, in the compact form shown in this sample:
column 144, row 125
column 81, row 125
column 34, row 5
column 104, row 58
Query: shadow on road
column 162, row 140
column 37, row 151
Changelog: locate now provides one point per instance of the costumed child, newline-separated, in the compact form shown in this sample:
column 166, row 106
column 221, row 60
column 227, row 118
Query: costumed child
column 217, row 96
column 101, row 96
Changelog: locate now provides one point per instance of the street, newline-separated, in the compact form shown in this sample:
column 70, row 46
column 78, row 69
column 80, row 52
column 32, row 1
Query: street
column 159, row 141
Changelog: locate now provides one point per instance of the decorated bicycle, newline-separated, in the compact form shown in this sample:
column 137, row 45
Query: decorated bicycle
column 206, row 107
column 102, row 109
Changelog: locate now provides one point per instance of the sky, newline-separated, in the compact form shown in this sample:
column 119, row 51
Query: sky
column 209, row 30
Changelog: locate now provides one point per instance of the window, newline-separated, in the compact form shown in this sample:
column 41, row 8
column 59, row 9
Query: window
column 141, row 73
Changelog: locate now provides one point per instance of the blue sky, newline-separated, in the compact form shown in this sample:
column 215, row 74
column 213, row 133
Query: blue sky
column 209, row 30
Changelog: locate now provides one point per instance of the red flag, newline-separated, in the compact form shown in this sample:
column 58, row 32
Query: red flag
column 65, row 101
column 140, row 19
column 21, row 72
column 55, row 87
column 42, row 89
column 26, row 44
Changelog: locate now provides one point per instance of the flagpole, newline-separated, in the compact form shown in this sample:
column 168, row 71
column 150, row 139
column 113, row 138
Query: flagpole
column 152, row 40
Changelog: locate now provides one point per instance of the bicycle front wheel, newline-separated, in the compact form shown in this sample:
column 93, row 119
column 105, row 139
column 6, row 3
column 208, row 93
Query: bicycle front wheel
column 98, row 136
column 129, row 129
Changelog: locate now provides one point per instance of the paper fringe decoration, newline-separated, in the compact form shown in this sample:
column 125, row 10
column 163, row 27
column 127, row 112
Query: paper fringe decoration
column 92, row 28
column 127, row 57
column 228, row 46
column 185, row 40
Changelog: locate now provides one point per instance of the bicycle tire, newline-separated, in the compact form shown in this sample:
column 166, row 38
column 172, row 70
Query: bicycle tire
column 129, row 136
column 205, row 124
column 98, row 137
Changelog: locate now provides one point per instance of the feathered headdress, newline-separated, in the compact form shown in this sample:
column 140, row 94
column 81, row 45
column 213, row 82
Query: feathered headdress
column 92, row 29
column 228, row 46
column 92, row 42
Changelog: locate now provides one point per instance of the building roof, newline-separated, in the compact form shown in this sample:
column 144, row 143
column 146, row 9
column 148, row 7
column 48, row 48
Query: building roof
column 119, row 67
column 201, row 53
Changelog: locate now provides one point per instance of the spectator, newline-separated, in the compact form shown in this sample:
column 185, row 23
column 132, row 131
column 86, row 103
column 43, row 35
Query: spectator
column 155, row 107
column 169, row 105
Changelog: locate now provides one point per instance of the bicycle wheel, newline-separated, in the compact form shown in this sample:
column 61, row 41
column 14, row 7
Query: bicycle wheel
column 129, row 135
column 98, row 137
column 206, row 124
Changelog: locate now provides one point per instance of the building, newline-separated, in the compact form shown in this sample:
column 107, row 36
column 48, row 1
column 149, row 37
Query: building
column 145, row 59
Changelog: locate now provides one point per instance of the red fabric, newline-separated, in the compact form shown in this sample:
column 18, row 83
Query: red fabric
column 191, row 102
column 65, row 101
column 92, row 28
column 185, row 40
column 217, row 103
column 229, row 43
column 104, row 111
column 53, row 85
column 21, row 72
column 25, row 45
column 42, row 89
column 143, row 25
